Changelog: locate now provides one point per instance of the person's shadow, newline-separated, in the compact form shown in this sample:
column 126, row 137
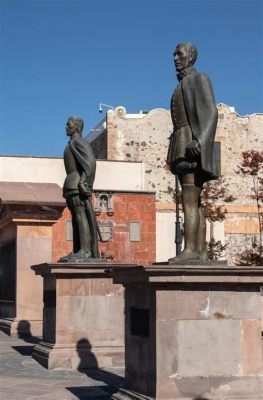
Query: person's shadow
column 89, row 365
column 87, row 358
column 24, row 333
column 108, row 383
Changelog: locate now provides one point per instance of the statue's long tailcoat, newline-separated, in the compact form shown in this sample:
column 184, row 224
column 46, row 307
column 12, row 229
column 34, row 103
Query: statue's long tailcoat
column 202, row 116
column 85, row 163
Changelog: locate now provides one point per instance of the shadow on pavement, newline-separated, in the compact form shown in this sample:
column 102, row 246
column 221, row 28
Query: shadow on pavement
column 24, row 350
column 89, row 366
column 92, row 392
column 24, row 332
column 200, row 398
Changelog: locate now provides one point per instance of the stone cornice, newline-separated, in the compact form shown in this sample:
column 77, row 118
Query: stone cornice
column 189, row 274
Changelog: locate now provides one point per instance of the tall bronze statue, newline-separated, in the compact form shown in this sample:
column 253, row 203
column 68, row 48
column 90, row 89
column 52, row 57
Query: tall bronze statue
column 191, row 149
column 80, row 165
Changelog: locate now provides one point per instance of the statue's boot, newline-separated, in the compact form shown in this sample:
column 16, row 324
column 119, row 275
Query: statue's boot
column 185, row 256
column 80, row 255
column 66, row 258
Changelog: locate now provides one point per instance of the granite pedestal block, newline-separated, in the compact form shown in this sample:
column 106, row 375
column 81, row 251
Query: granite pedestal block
column 192, row 332
column 30, row 243
column 28, row 213
column 83, row 321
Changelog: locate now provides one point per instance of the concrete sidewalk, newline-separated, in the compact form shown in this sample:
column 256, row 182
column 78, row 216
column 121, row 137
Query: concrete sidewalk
column 22, row 378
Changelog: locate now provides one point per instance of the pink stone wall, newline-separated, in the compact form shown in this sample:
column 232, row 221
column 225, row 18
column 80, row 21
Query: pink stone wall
column 33, row 247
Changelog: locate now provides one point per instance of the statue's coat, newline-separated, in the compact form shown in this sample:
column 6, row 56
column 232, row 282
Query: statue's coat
column 84, row 155
column 202, row 116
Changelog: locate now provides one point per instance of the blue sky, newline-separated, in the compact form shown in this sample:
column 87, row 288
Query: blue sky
column 63, row 57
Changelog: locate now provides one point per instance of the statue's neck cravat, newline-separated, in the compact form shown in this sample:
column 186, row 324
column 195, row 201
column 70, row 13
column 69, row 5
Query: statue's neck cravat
column 185, row 72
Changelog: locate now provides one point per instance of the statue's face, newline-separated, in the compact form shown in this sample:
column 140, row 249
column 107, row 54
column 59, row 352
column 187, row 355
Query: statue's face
column 70, row 127
column 182, row 58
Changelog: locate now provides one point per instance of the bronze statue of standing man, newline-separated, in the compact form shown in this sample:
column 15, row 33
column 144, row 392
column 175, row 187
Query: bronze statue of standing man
column 191, row 149
column 80, row 166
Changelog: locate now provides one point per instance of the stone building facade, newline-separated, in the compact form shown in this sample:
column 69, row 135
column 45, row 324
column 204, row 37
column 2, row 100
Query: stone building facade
column 144, row 137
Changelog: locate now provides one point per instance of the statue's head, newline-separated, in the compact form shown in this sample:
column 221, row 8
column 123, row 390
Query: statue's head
column 74, row 125
column 185, row 55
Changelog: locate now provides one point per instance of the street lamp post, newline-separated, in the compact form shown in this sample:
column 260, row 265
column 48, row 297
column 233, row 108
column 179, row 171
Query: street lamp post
column 104, row 105
column 178, row 232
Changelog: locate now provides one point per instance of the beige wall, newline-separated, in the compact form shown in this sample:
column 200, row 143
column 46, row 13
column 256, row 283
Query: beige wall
column 110, row 175
column 165, row 234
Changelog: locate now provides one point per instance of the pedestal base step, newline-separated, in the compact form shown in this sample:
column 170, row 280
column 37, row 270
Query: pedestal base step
column 248, row 387
column 17, row 327
column 124, row 394
column 68, row 357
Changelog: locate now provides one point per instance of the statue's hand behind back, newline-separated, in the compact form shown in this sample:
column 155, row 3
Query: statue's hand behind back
column 85, row 189
column 193, row 149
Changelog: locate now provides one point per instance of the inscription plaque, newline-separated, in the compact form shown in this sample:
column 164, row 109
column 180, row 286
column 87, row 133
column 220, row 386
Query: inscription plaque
column 106, row 230
column 49, row 298
column 69, row 230
column 135, row 231
column 140, row 321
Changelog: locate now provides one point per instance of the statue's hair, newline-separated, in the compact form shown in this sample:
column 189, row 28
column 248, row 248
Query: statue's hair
column 191, row 50
column 78, row 122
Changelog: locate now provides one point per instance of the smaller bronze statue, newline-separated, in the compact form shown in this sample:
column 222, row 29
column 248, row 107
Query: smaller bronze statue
column 80, row 166
column 191, row 149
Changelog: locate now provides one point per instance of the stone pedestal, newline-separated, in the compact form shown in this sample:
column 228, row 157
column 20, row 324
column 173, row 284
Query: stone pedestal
column 23, row 242
column 83, row 321
column 192, row 332
column 25, row 239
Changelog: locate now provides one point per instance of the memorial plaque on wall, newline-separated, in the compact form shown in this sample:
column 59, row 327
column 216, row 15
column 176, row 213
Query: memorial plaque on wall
column 135, row 231
column 8, row 271
column 106, row 230
column 69, row 230
column 140, row 322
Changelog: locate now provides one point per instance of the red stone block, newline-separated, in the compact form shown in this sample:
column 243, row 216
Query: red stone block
column 148, row 227
column 124, row 227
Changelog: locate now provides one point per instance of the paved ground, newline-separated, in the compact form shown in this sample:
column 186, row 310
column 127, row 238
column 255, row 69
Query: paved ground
column 22, row 378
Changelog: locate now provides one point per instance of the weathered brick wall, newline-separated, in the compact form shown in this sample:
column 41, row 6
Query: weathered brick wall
column 99, row 146
column 237, row 134
column 241, row 228
column 127, row 207
column 142, row 137
column 235, row 243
